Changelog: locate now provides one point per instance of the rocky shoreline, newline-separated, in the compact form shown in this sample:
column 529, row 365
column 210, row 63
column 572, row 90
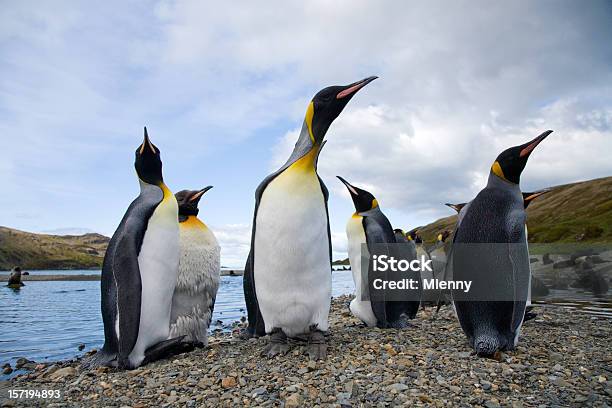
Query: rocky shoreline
column 563, row 359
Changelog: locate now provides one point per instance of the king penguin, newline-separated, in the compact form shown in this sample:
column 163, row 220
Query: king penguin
column 287, row 278
column 199, row 270
column 495, row 216
column 139, row 271
column 369, row 225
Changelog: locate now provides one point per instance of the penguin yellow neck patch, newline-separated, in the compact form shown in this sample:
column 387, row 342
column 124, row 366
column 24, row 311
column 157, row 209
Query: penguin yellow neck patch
column 308, row 120
column 307, row 162
column 374, row 203
column 497, row 170
column 166, row 190
column 193, row 222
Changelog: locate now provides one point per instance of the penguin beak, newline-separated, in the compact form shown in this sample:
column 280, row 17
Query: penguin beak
column 456, row 207
column 147, row 142
column 352, row 89
column 529, row 197
column 526, row 151
column 536, row 194
column 351, row 189
column 196, row 197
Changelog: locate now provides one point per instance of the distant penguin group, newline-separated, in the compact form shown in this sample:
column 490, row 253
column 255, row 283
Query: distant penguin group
column 161, row 271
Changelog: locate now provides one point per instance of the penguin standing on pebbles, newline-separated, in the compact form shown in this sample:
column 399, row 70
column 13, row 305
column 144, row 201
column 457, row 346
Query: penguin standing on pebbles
column 368, row 225
column 287, row 278
column 199, row 271
column 494, row 221
column 139, row 271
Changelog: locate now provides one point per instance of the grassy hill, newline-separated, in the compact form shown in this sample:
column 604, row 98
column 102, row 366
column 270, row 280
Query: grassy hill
column 577, row 212
column 41, row 251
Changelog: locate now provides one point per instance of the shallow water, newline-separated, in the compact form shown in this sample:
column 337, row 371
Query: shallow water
column 60, row 272
column 47, row 321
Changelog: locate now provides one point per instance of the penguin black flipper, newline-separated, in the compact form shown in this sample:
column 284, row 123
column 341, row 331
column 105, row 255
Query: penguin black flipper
column 121, row 284
column 326, row 196
column 520, row 262
column 376, row 234
column 255, row 320
column 165, row 348
column 379, row 231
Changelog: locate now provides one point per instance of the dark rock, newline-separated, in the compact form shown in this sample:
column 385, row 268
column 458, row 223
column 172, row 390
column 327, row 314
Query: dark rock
column 538, row 288
column 533, row 260
column 546, row 259
column 596, row 259
column 21, row 361
column 592, row 281
column 585, row 264
column 563, row 264
column 81, row 347
column 582, row 252
column 559, row 285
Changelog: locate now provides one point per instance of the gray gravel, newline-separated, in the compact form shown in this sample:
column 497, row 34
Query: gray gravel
column 563, row 359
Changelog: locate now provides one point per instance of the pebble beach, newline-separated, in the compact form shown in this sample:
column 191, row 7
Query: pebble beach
column 563, row 359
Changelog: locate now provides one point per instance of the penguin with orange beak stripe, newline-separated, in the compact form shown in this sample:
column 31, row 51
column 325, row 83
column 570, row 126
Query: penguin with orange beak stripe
column 495, row 216
column 199, row 270
column 287, row 278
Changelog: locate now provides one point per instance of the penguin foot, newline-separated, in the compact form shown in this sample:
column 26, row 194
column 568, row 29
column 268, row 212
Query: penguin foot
column 402, row 322
column 277, row 344
column 247, row 333
column 529, row 316
column 317, row 348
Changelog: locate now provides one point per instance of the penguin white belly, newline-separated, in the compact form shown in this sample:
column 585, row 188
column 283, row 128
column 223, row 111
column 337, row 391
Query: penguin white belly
column 197, row 283
column 158, row 264
column 361, row 309
column 292, row 266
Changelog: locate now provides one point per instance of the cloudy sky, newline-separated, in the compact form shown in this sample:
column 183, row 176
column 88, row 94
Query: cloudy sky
column 223, row 88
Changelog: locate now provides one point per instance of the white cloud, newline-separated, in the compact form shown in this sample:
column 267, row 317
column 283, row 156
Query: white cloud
column 235, row 242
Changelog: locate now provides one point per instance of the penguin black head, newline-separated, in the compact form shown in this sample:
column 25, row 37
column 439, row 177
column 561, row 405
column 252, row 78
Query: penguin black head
column 188, row 200
column 327, row 105
column 456, row 207
column 443, row 236
column 363, row 200
column 510, row 163
column 148, row 162
column 413, row 236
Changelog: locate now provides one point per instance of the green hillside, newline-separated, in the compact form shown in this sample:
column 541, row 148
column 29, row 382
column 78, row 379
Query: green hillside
column 577, row 212
column 41, row 251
